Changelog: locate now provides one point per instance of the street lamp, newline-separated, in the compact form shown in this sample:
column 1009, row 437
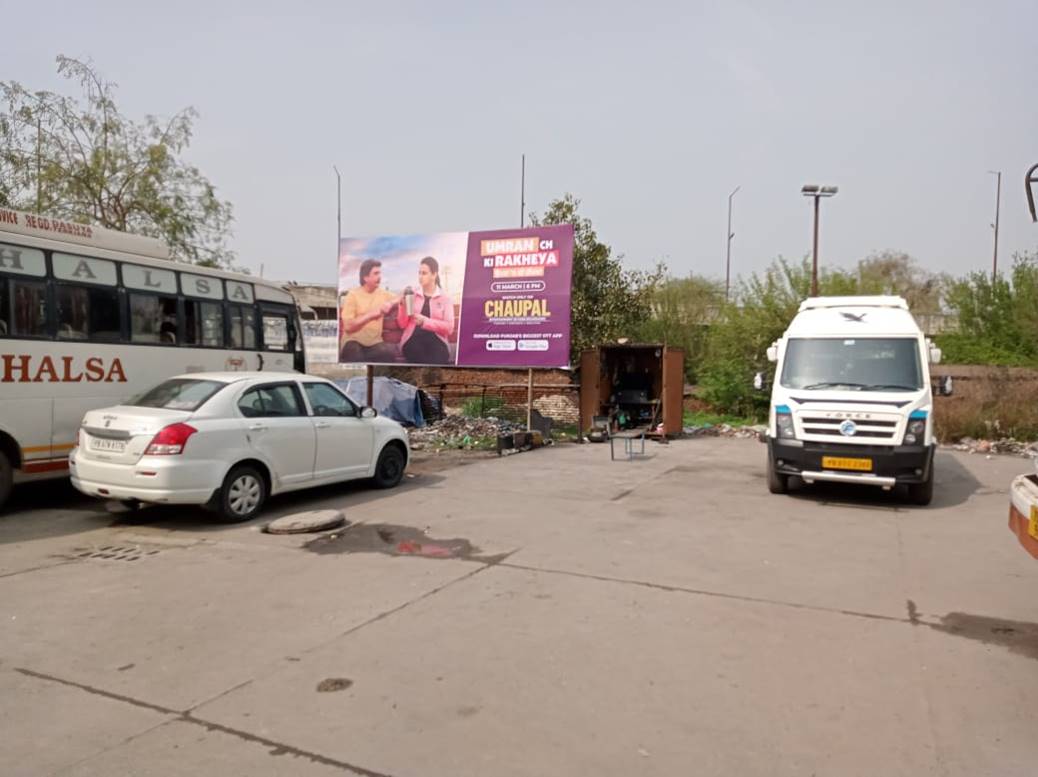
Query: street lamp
column 1029, row 181
column 728, row 256
column 816, row 191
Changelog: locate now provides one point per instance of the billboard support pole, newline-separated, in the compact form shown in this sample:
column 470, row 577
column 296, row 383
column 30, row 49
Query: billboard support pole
column 371, row 384
column 529, row 398
column 522, row 224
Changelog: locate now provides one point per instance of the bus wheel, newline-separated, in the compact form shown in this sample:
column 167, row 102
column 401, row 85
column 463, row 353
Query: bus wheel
column 6, row 478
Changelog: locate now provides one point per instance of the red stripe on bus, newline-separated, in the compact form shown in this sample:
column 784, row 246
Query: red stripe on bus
column 31, row 467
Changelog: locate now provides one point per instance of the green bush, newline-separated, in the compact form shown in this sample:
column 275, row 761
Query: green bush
column 968, row 349
column 998, row 317
column 737, row 343
column 477, row 407
column 682, row 310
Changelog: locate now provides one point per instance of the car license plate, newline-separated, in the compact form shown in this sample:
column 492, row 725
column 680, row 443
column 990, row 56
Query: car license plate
column 1032, row 525
column 104, row 444
column 836, row 462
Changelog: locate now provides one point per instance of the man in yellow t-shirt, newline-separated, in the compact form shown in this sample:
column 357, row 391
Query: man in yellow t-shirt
column 360, row 319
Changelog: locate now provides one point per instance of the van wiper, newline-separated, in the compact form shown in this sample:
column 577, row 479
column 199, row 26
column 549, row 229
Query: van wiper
column 892, row 387
column 836, row 384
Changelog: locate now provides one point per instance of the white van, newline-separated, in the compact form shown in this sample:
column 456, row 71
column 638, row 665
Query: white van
column 851, row 400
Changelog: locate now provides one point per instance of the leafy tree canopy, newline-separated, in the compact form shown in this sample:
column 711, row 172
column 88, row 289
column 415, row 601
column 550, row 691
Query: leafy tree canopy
column 608, row 300
column 81, row 159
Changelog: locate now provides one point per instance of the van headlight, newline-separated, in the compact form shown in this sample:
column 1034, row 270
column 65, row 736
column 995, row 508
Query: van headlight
column 784, row 423
column 916, row 431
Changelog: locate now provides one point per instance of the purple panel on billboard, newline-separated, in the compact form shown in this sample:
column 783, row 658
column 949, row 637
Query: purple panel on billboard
column 515, row 309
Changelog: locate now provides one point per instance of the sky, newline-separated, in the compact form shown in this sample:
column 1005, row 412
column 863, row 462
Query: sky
column 650, row 113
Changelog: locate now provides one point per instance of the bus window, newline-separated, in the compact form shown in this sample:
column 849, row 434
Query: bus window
column 203, row 324
column 22, row 261
column 88, row 313
column 29, row 303
column 243, row 327
column 153, row 319
column 275, row 332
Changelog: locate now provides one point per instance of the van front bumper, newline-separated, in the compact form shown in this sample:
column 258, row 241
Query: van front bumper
column 891, row 464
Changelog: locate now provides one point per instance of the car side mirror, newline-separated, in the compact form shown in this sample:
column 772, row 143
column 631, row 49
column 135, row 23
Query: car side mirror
column 368, row 412
column 758, row 381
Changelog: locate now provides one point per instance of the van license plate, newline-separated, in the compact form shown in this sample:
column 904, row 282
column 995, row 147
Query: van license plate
column 835, row 462
column 104, row 444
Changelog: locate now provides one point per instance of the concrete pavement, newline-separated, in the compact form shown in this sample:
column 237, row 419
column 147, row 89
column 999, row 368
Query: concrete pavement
column 561, row 614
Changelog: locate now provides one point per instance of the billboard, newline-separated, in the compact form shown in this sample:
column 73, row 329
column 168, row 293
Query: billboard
column 499, row 298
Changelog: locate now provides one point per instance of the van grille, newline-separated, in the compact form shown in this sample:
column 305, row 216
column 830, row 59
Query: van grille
column 878, row 429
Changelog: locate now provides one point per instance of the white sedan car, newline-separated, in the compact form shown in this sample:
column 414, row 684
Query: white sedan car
column 229, row 440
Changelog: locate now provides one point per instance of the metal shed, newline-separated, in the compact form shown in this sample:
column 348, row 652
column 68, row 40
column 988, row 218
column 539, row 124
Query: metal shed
column 633, row 386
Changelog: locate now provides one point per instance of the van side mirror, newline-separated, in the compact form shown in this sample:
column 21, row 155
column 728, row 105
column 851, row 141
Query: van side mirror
column 772, row 353
column 946, row 386
column 758, row 381
column 935, row 355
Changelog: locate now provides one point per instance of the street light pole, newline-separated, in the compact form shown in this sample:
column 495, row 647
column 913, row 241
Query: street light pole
column 817, row 192
column 998, row 203
column 522, row 195
column 338, row 209
column 814, row 253
column 728, row 255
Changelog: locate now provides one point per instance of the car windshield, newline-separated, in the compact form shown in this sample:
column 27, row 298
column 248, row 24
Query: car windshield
column 853, row 364
column 178, row 394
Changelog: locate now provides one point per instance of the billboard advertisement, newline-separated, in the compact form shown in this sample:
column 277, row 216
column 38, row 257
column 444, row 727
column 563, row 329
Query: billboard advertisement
column 498, row 298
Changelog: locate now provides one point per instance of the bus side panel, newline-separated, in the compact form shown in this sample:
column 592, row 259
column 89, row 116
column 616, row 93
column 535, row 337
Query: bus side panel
column 28, row 422
column 47, row 386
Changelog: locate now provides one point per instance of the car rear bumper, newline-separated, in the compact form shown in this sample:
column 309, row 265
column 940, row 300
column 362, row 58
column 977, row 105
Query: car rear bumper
column 891, row 465
column 151, row 479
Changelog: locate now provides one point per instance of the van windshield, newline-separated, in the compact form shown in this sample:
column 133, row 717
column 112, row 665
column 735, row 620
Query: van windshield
column 853, row 364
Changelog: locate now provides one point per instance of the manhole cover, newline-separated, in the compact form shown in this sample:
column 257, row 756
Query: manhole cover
column 310, row 521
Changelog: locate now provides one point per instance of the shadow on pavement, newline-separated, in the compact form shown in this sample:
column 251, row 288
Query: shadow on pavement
column 49, row 508
column 54, row 508
column 955, row 485
column 1019, row 637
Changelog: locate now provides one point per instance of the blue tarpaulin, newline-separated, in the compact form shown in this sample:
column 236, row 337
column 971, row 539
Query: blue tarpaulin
column 391, row 398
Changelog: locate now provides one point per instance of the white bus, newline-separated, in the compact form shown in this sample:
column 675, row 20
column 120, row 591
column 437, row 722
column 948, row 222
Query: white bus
column 90, row 317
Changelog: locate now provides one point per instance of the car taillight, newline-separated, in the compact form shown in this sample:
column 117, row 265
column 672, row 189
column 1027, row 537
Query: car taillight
column 170, row 441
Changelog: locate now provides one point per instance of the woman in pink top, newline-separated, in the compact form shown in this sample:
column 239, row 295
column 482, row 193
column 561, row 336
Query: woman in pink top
column 431, row 320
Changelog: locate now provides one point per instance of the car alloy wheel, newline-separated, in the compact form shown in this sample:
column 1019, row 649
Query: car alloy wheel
column 242, row 494
column 245, row 494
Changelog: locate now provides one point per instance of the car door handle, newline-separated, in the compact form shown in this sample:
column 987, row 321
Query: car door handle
column 322, row 424
column 257, row 427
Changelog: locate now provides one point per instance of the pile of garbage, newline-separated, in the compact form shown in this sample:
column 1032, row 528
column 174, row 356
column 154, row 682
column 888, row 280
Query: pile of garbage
column 1006, row 446
column 725, row 430
column 458, row 431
